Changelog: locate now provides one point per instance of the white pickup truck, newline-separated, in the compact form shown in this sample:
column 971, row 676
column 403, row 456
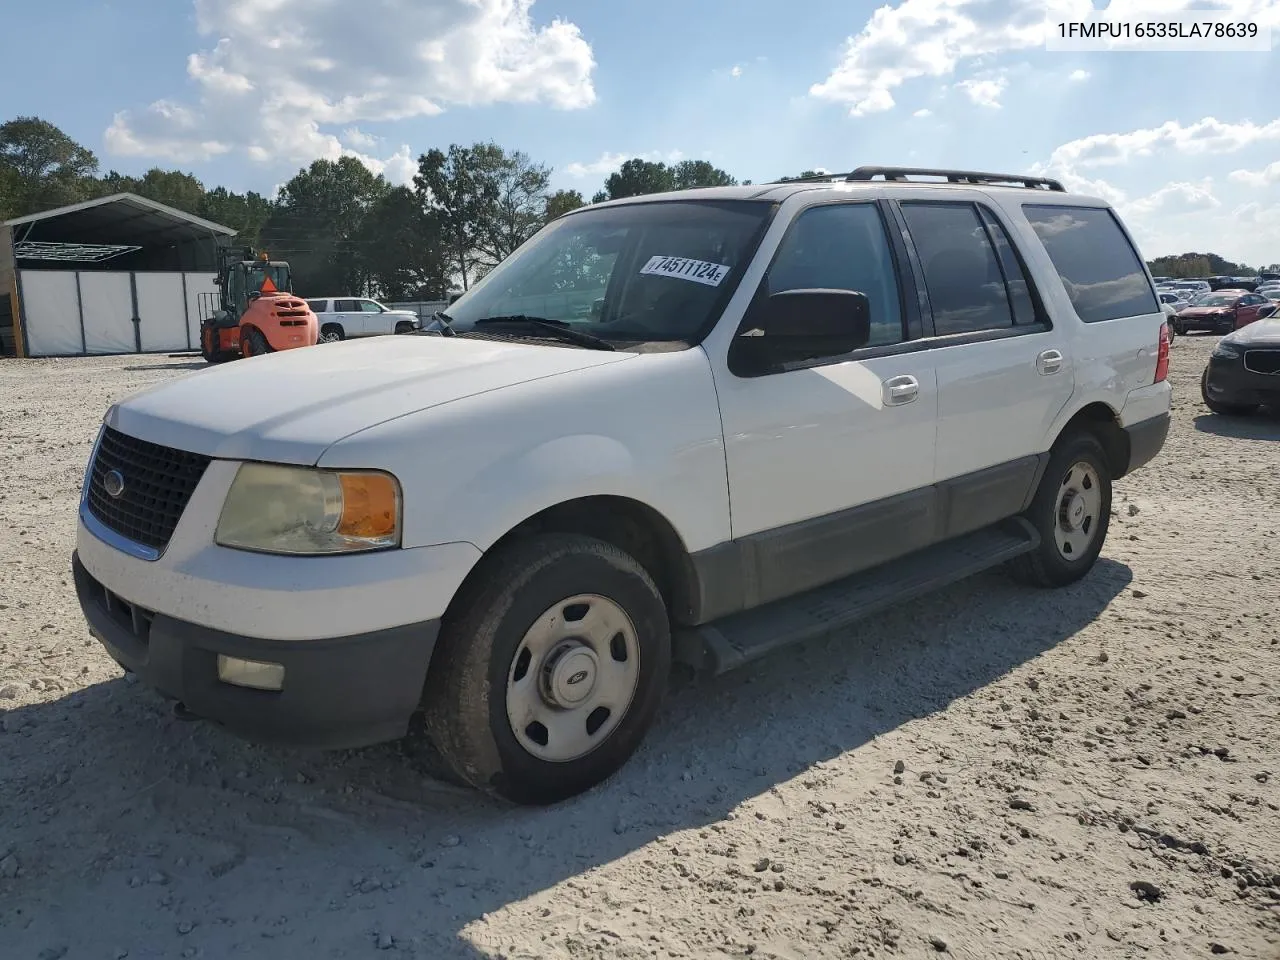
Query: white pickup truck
column 761, row 413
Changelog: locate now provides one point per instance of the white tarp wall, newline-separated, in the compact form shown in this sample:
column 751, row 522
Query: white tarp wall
column 51, row 313
column 67, row 312
column 197, row 284
column 162, row 310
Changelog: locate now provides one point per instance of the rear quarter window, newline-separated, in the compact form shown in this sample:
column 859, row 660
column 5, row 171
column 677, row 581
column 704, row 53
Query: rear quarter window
column 317, row 306
column 1101, row 271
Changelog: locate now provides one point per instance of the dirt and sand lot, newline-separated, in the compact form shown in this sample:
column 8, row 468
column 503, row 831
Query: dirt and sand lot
column 994, row 772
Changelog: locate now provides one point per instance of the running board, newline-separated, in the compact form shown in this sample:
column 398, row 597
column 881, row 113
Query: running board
column 742, row 637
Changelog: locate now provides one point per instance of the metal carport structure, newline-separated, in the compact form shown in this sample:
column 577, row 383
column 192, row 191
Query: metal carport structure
column 119, row 274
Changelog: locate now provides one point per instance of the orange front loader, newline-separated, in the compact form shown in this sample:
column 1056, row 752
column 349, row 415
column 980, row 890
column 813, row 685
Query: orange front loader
column 257, row 313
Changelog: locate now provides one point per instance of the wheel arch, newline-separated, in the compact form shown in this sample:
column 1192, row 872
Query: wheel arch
column 1103, row 421
column 630, row 525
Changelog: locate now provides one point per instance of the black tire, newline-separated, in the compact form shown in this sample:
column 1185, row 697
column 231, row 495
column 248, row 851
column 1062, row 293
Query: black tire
column 1223, row 409
column 1176, row 327
column 465, row 698
column 331, row 333
column 256, row 342
column 404, row 326
column 210, row 355
column 1046, row 566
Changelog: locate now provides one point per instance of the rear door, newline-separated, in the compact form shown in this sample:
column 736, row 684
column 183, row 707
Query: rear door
column 349, row 314
column 1004, row 370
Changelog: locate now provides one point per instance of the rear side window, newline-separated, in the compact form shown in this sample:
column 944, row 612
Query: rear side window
column 962, row 273
column 346, row 306
column 1102, row 273
column 317, row 306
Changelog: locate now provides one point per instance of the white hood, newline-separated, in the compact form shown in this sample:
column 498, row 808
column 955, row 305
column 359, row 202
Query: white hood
column 289, row 407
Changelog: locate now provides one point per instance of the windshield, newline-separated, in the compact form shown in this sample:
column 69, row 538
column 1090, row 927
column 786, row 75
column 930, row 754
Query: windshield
column 279, row 273
column 1217, row 300
column 657, row 271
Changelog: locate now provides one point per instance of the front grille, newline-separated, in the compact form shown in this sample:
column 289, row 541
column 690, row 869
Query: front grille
column 1262, row 361
column 158, row 482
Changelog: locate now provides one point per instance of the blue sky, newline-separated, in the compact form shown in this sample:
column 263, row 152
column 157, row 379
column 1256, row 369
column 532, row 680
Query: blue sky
column 244, row 92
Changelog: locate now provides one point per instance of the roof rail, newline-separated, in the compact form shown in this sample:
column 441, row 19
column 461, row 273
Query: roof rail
column 958, row 176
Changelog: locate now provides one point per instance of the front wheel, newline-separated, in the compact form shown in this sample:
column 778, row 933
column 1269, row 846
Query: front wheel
column 1218, row 407
column 549, row 669
column 1071, row 511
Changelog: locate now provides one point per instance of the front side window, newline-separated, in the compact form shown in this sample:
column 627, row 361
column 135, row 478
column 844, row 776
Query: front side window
column 961, row 271
column 842, row 246
column 368, row 306
column 1103, row 275
column 641, row 272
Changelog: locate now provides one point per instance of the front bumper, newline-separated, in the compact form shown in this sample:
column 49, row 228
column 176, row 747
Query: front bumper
column 1230, row 382
column 337, row 693
column 1213, row 323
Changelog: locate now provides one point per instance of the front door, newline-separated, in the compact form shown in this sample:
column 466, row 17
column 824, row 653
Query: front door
column 830, row 466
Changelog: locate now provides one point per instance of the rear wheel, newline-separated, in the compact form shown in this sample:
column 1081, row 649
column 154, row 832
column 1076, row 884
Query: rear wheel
column 1217, row 406
column 253, row 343
column 549, row 670
column 332, row 333
column 209, row 347
column 1071, row 511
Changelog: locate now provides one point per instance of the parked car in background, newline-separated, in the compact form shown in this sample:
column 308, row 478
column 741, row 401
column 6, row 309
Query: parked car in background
column 1173, row 299
column 1243, row 372
column 344, row 317
column 1223, row 312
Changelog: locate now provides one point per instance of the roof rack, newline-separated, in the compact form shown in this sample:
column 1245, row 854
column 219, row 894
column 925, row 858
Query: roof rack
column 900, row 174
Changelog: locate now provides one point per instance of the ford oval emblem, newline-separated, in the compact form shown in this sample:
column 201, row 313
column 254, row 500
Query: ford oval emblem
column 113, row 483
column 577, row 677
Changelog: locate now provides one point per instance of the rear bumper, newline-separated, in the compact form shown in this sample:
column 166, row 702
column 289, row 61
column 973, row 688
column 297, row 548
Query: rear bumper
column 1146, row 440
column 337, row 693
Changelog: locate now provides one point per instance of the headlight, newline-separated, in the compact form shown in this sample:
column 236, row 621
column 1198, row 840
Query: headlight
column 1226, row 351
column 301, row 510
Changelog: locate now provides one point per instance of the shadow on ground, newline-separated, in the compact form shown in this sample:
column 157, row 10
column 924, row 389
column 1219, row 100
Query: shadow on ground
column 191, row 365
column 1263, row 425
column 130, row 824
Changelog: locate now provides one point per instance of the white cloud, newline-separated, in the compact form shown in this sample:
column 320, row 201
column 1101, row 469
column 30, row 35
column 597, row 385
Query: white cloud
column 923, row 112
column 985, row 93
column 932, row 38
column 1078, row 76
column 736, row 71
column 1173, row 199
column 1257, row 178
column 610, row 162
column 1207, row 136
column 281, row 72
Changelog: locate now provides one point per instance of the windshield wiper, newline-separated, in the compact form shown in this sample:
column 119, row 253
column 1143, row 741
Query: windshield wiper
column 557, row 328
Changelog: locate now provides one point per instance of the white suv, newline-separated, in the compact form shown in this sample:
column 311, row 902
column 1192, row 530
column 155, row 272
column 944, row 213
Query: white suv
column 344, row 317
column 695, row 425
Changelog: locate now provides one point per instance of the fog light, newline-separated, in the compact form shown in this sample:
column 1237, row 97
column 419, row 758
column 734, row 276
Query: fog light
column 250, row 673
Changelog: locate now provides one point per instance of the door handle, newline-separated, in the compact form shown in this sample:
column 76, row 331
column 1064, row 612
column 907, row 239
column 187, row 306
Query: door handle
column 900, row 390
column 1049, row 362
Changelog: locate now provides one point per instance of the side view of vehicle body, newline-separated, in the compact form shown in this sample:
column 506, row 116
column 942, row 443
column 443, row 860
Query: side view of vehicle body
column 1243, row 372
column 342, row 318
column 256, row 312
column 789, row 406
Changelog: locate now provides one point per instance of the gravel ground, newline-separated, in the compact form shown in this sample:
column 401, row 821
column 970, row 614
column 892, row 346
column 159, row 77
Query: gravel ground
column 997, row 772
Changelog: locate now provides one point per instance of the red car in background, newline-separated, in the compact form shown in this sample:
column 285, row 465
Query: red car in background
column 1222, row 312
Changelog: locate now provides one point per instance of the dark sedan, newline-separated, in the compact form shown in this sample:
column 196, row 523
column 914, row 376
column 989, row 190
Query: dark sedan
column 1223, row 312
column 1244, row 370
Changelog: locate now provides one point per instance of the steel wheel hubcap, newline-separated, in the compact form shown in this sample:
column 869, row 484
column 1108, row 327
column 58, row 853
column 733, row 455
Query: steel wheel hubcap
column 1079, row 507
column 572, row 678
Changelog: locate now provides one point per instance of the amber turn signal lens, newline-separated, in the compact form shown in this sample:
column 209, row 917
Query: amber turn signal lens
column 370, row 505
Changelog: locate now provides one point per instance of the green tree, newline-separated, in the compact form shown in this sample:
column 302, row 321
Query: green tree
column 462, row 189
column 42, row 166
column 635, row 178
column 403, row 249
column 804, row 175
column 520, row 209
column 562, row 202
column 317, row 224
column 246, row 213
column 171, row 187
column 688, row 174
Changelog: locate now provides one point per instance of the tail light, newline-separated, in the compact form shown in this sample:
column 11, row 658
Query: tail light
column 1162, row 354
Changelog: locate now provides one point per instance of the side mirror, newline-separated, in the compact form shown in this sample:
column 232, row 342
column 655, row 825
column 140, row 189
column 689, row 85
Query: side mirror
column 796, row 325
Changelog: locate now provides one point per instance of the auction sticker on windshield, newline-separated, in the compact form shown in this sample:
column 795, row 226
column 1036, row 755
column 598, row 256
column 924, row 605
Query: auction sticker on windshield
column 699, row 271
